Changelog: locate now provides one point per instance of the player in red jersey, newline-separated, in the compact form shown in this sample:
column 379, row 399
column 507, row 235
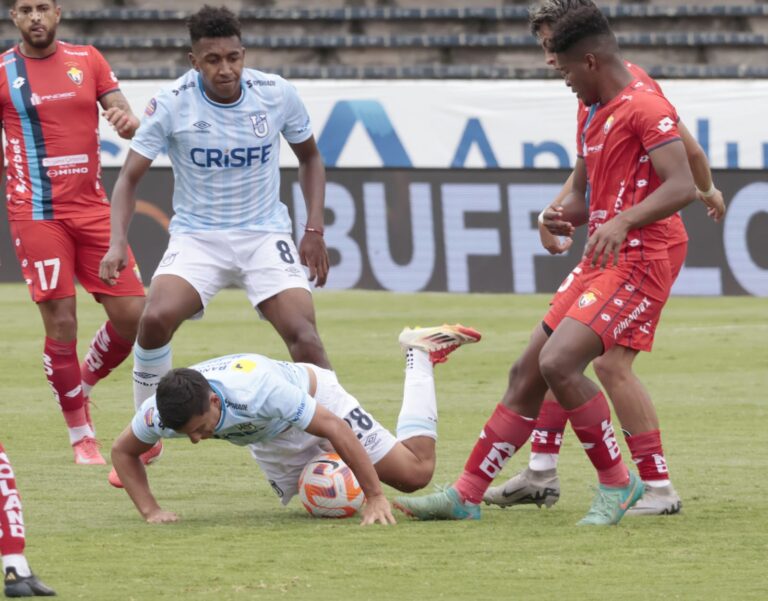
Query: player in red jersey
column 19, row 580
column 639, row 176
column 539, row 482
column 57, row 207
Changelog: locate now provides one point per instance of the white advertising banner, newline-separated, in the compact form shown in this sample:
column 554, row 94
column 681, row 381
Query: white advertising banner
column 506, row 124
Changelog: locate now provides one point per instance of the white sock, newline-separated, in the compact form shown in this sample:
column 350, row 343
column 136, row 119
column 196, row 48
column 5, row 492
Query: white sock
column 543, row 461
column 149, row 366
column 79, row 432
column 18, row 561
column 418, row 415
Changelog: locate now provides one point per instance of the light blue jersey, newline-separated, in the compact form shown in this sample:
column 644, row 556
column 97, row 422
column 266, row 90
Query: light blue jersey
column 260, row 398
column 225, row 157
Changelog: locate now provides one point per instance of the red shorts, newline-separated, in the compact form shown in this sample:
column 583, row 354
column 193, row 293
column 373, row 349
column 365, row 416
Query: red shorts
column 620, row 304
column 51, row 253
column 677, row 255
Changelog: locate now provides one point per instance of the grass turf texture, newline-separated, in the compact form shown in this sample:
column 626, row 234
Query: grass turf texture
column 708, row 377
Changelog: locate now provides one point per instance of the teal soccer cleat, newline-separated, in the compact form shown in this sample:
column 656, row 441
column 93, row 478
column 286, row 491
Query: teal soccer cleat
column 610, row 504
column 442, row 505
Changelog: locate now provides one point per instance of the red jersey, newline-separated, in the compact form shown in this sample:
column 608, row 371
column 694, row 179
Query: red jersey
column 50, row 116
column 614, row 140
column 677, row 233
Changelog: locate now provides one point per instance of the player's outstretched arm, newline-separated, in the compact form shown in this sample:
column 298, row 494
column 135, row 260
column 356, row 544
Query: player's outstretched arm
column 119, row 114
column 326, row 425
column 125, row 459
column 123, row 207
column 702, row 175
column 312, row 250
column 675, row 192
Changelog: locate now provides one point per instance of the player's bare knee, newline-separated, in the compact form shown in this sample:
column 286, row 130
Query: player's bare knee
column 155, row 328
column 610, row 371
column 553, row 367
column 61, row 326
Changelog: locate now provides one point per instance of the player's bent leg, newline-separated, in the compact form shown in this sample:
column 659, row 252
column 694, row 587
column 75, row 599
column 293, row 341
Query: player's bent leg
column 124, row 313
column 292, row 314
column 410, row 464
column 59, row 318
column 170, row 301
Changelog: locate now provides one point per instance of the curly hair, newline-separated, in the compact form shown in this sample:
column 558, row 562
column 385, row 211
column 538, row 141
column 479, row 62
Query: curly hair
column 577, row 25
column 212, row 22
column 182, row 394
column 550, row 12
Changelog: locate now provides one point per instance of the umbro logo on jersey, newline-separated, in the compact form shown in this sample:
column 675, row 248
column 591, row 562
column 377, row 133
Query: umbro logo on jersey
column 18, row 82
column 202, row 125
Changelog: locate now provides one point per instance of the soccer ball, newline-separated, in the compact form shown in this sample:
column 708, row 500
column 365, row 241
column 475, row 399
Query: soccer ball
column 329, row 489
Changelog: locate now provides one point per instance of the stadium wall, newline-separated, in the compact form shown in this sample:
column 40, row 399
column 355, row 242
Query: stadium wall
column 467, row 230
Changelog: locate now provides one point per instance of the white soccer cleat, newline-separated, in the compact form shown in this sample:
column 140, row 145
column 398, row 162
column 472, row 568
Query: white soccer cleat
column 657, row 500
column 529, row 487
column 438, row 341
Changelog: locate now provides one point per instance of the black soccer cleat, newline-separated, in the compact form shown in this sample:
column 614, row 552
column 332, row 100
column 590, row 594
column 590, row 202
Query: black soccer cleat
column 25, row 586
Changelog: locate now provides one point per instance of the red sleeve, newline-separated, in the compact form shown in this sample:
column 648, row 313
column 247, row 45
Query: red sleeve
column 655, row 120
column 581, row 119
column 102, row 73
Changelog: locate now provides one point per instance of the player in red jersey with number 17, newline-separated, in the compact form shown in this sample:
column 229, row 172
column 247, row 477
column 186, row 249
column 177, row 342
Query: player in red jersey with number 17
column 638, row 177
column 57, row 207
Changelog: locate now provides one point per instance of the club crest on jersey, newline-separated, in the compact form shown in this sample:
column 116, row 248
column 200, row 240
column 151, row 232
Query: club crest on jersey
column 587, row 299
column 608, row 124
column 76, row 75
column 259, row 123
column 150, row 108
column 149, row 417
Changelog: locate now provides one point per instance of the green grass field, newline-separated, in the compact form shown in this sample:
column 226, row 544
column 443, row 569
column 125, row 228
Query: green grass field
column 708, row 376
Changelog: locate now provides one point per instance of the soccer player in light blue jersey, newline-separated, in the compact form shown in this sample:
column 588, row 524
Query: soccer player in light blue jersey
column 221, row 124
column 287, row 413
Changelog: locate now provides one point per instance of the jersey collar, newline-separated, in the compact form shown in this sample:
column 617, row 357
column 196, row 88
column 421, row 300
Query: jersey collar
column 221, row 105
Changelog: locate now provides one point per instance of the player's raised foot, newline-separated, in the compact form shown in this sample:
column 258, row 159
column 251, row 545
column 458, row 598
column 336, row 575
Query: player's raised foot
column 438, row 341
column 610, row 504
column 25, row 586
column 87, row 452
column 147, row 458
column 446, row 504
column 529, row 487
column 657, row 500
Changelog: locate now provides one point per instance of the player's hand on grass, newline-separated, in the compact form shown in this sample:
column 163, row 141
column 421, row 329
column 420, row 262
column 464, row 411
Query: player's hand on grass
column 161, row 517
column 715, row 204
column 605, row 243
column 377, row 510
column 125, row 124
column 112, row 264
column 314, row 254
column 555, row 245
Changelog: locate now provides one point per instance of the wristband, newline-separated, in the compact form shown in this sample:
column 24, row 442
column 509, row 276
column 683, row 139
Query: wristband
column 314, row 230
column 709, row 193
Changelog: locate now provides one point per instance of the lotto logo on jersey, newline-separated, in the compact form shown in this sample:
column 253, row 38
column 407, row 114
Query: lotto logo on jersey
column 234, row 157
column 76, row 75
column 665, row 125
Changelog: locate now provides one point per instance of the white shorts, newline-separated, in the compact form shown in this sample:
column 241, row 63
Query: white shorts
column 262, row 263
column 283, row 458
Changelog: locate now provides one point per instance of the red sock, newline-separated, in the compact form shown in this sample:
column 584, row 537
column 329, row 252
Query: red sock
column 547, row 437
column 592, row 424
column 502, row 435
column 63, row 372
column 11, row 518
column 108, row 350
column 648, row 456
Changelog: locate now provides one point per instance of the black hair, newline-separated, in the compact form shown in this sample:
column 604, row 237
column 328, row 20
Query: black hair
column 212, row 22
column 577, row 25
column 182, row 394
column 550, row 12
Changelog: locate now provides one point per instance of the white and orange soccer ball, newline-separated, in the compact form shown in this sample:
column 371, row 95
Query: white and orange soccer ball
column 329, row 489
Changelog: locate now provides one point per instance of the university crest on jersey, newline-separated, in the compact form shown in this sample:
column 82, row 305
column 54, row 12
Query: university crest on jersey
column 259, row 123
column 76, row 75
